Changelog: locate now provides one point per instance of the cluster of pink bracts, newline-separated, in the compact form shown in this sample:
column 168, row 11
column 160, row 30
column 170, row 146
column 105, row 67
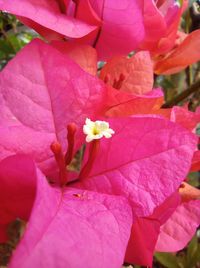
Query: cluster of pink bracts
column 130, row 197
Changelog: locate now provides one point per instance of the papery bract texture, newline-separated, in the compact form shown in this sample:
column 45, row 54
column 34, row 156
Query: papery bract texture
column 179, row 58
column 84, row 55
column 145, row 161
column 180, row 227
column 177, row 114
column 167, row 15
column 113, row 27
column 173, row 224
column 136, row 73
column 73, row 228
column 184, row 117
column 129, row 25
column 41, row 92
column 145, row 232
column 17, row 190
column 121, row 103
column 46, row 17
column 122, row 28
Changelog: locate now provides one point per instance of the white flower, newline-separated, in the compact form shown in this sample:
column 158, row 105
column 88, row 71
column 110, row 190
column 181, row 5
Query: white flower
column 96, row 130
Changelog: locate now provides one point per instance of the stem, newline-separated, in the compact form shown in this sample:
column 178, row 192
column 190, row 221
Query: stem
column 190, row 75
column 183, row 95
column 4, row 33
column 189, row 69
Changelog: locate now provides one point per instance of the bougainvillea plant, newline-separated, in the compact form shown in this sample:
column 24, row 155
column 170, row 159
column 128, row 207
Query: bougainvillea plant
column 89, row 158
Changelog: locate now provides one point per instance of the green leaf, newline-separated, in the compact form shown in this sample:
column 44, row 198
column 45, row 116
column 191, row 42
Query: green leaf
column 167, row 259
column 193, row 253
column 193, row 179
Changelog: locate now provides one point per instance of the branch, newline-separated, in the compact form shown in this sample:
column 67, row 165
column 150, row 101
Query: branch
column 183, row 95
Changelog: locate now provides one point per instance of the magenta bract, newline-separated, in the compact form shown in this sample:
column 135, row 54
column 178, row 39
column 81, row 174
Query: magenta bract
column 17, row 191
column 133, row 75
column 113, row 28
column 67, row 227
column 180, row 227
column 46, row 17
column 138, row 161
column 140, row 250
column 42, row 93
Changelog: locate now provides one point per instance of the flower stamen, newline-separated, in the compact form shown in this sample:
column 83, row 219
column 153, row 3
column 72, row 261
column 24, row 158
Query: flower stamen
column 71, row 130
column 60, row 159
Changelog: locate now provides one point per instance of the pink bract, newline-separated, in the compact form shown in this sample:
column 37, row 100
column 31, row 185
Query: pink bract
column 113, row 28
column 185, row 118
column 68, row 227
column 169, row 228
column 41, row 93
column 140, row 250
column 47, row 17
column 84, row 55
column 17, row 190
column 133, row 75
column 180, row 227
column 181, row 56
column 138, row 161
column 131, row 25
column 39, row 102
column 124, row 76
column 127, row 104
column 122, row 28
column 168, row 20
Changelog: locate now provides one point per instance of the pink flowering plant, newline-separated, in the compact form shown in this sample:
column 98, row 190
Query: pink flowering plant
column 89, row 158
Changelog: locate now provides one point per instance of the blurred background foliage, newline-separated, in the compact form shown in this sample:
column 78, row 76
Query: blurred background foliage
column 14, row 35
